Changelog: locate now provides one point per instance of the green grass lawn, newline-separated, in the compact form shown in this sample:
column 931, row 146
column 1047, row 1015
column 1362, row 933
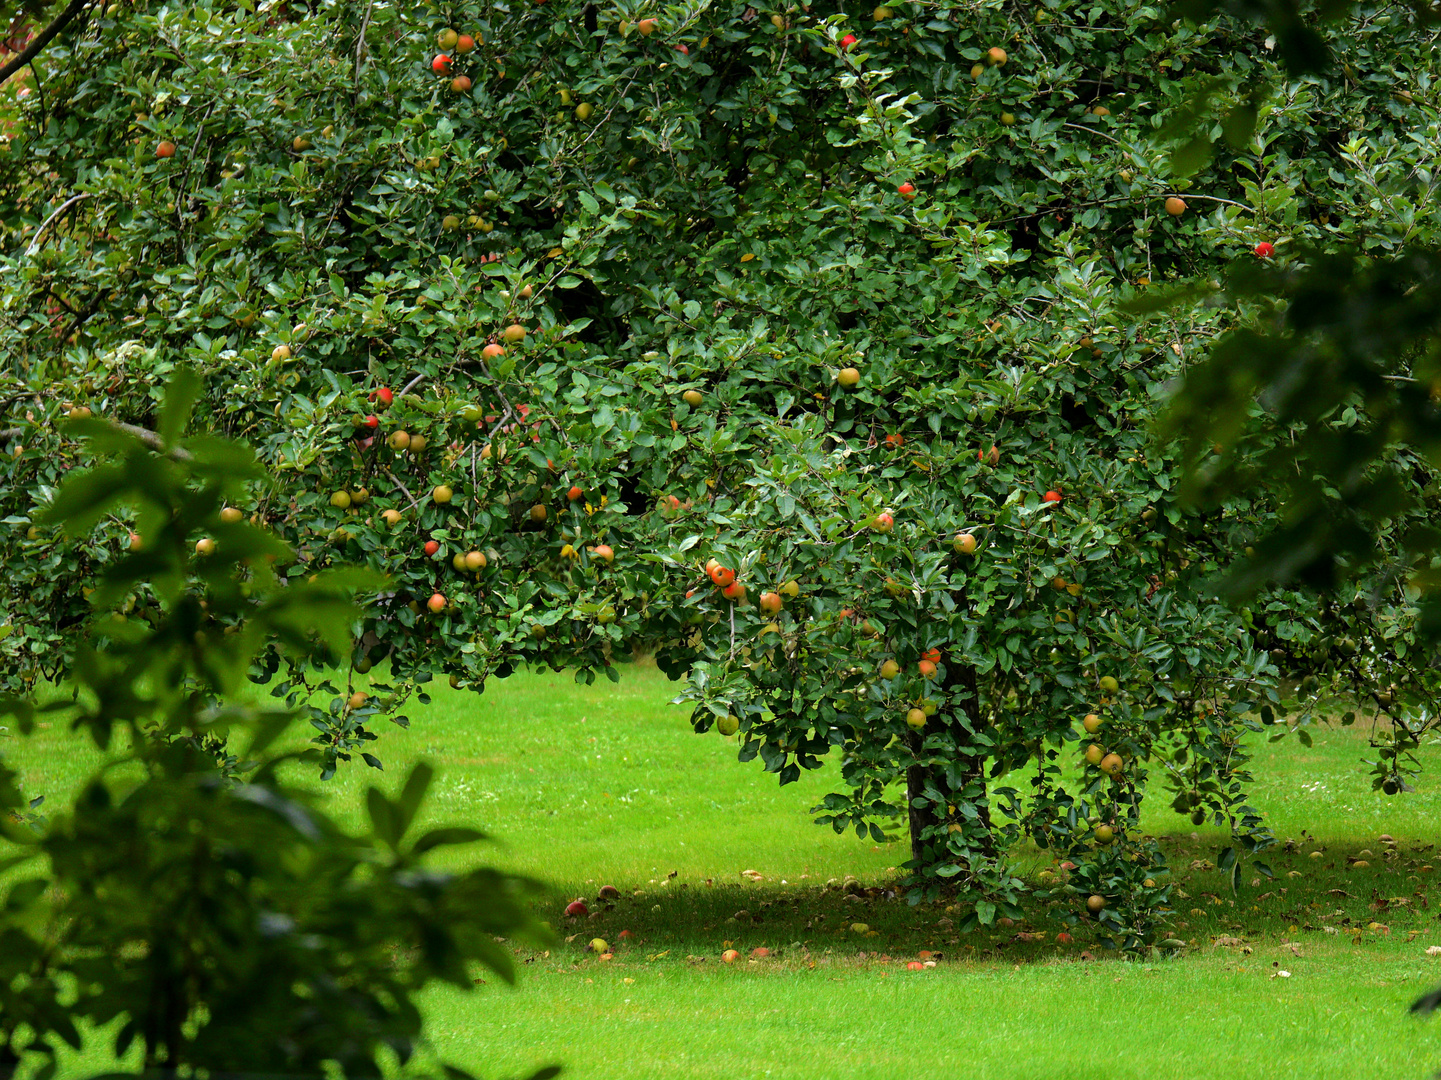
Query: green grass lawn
column 588, row 786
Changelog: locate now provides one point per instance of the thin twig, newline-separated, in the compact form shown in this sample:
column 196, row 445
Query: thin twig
column 40, row 232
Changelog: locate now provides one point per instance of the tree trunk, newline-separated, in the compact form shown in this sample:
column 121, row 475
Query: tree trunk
column 962, row 686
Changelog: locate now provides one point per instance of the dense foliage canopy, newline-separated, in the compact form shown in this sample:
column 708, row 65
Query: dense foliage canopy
column 595, row 295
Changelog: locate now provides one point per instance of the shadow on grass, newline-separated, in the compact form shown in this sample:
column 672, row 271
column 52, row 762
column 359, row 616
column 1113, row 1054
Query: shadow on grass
column 1341, row 892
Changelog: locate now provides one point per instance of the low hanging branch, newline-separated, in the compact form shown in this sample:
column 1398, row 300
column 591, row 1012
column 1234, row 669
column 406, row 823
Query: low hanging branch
column 25, row 55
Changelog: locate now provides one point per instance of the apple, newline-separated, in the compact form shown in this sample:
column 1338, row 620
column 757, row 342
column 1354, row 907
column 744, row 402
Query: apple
column 514, row 333
column 598, row 945
column 778, row 21
column 205, row 546
column 730, row 956
column 965, row 543
column 583, row 110
column 1112, row 765
column 693, row 398
column 399, row 440
column 1265, row 249
column 576, row 908
column 848, row 376
column 1051, row 497
column 165, row 149
column 1064, row 938
column 280, row 353
column 978, row 70
column 603, row 552
column 432, row 546
column 848, row 41
column 728, row 725
column 669, row 503
column 537, row 513
column 1175, row 206
column 890, row 669
column 447, row 39
column 460, row 84
column 441, row 64
column 907, row 191
column 881, row 14
column 475, row 560
column 996, row 56
column 464, row 44
column 436, row 603
column 1094, row 754
column 791, row 589
column 1092, row 723
column 458, row 561
column 1008, row 119
column 574, row 494
column 340, row 499
column 895, row 440
column 1095, row 904
column 771, row 602
column 927, row 669
column 135, row 542
column 683, row 50
column 491, row 351
column 230, row 515
column 1109, row 684
column 933, row 655
column 646, row 27
column 916, row 718
column 357, row 700
column 382, row 396
column 722, row 575
column 760, row 953
column 883, row 522
column 990, row 457
column 915, row 965
column 442, row 494
column 372, row 422
column 1100, row 110
column 735, row 591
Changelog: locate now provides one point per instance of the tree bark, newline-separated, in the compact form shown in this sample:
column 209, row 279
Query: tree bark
column 25, row 55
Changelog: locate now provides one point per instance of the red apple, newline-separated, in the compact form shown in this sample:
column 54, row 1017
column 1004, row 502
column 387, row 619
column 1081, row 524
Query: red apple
column 722, row 576
column 848, row 41
column 441, row 64
column 372, row 421
column 165, row 149
column 915, row 965
column 436, row 603
column 1064, row 938
column 432, row 546
column 908, row 191
column 1265, row 249
column 460, row 84
column 382, row 396
column 603, row 552
column 1051, row 497
column 771, row 602
column 730, row 956
column 574, row 493
column 464, row 44
column 576, row 908
column 683, row 50
column 883, row 522
column 760, row 954
column 734, row 591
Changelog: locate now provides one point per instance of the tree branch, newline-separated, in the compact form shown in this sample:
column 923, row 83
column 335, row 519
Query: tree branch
column 25, row 55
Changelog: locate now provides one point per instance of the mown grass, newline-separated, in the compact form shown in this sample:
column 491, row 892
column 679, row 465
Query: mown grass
column 604, row 785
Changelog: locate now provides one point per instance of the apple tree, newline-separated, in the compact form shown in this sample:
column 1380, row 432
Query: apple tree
column 800, row 347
